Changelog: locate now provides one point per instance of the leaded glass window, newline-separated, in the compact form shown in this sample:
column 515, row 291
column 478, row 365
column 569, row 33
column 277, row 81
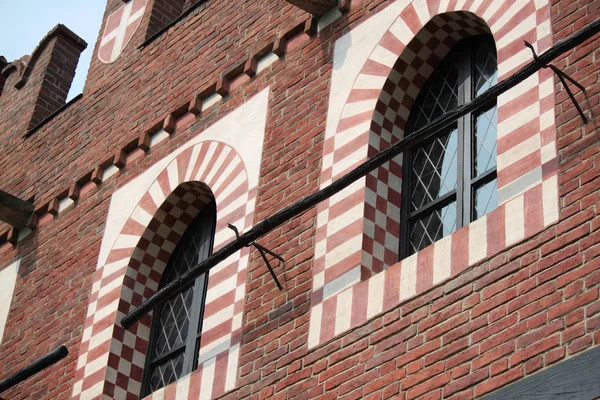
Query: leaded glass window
column 450, row 180
column 177, row 323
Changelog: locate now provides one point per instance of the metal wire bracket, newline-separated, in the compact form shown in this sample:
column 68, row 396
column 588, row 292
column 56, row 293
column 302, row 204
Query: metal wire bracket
column 562, row 76
column 263, row 252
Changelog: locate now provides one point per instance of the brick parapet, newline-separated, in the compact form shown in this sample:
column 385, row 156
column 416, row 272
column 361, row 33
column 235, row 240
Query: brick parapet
column 244, row 70
column 83, row 126
column 36, row 86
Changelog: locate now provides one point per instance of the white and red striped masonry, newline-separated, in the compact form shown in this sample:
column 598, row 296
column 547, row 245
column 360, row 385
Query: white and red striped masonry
column 145, row 221
column 379, row 68
column 120, row 26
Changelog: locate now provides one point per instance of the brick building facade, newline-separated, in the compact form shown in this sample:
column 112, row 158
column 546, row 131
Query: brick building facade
column 255, row 105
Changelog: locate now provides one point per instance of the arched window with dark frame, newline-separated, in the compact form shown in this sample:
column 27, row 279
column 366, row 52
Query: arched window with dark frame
column 450, row 180
column 177, row 323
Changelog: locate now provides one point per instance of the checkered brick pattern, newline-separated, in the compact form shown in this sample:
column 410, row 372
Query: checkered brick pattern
column 160, row 238
column 510, row 223
column 414, row 66
column 357, row 230
column 111, row 359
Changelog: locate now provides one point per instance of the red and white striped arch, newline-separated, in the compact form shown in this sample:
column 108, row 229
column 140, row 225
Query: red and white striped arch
column 111, row 359
column 145, row 221
column 356, row 275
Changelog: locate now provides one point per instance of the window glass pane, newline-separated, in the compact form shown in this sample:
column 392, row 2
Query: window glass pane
column 174, row 322
column 173, row 325
column 193, row 247
column 167, row 372
column 178, row 318
column 431, row 227
column 486, row 66
column 439, row 96
column 434, row 169
column 484, row 140
column 486, row 198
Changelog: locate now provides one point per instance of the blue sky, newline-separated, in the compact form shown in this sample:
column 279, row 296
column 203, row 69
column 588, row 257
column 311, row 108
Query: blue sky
column 24, row 23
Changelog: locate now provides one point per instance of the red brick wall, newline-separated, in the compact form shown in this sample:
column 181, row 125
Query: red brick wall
column 525, row 309
column 39, row 84
column 162, row 13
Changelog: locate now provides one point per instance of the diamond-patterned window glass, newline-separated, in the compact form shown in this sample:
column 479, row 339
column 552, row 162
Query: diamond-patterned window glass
column 174, row 321
column 485, row 69
column 452, row 177
column 177, row 322
column 192, row 248
column 434, row 169
column 484, row 140
column 438, row 96
column 166, row 372
column 486, row 198
column 432, row 227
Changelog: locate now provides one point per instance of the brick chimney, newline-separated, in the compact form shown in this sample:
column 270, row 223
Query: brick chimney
column 35, row 86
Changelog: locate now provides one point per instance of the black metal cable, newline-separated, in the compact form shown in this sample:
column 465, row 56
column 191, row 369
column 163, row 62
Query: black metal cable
column 312, row 200
column 41, row 363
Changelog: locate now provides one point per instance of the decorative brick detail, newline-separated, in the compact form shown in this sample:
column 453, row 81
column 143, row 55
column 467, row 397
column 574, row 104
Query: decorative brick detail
column 138, row 258
column 144, row 141
column 222, row 87
column 53, row 207
column 358, row 229
column 315, row 7
column 33, row 221
column 279, row 47
column 120, row 159
column 250, row 67
column 170, row 123
column 73, row 193
column 13, row 236
column 196, row 105
column 119, row 28
column 97, row 175
column 310, row 26
column 344, row 5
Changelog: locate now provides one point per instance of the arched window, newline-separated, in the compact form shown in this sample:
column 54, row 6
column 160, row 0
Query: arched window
column 177, row 323
column 450, row 180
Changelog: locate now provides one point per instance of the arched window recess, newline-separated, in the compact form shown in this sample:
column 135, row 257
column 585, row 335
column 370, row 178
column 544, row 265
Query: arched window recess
column 449, row 180
column 177, row 323
column 366, row 167
column 176, row 330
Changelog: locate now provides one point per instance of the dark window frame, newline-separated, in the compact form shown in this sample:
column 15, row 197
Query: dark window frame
column 205, row 221
column 468, row 180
